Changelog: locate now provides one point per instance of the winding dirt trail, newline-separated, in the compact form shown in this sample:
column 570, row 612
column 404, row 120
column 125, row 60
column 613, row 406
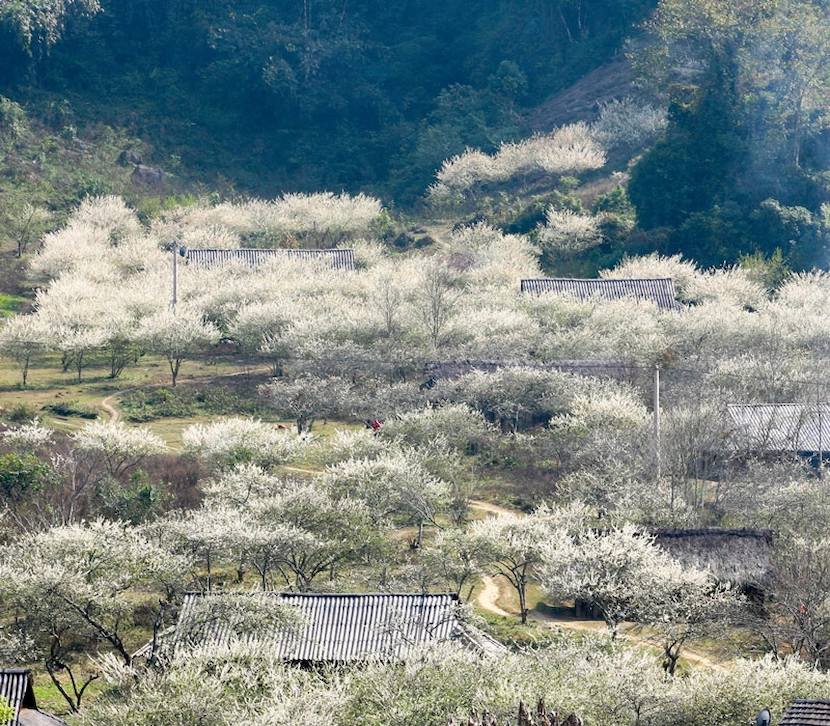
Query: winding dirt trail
column 114, row 415
column 488, row 597
column 490, row 594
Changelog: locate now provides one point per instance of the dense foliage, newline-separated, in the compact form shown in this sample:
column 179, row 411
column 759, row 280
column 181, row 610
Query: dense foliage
column 308, row 94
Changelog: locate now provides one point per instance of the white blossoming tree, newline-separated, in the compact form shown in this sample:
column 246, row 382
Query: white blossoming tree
column 515, row 546
column 626, row 576
column 22, row 338
column 231, row 441
column 177, row 335
column 118, row 447
column 73, row 590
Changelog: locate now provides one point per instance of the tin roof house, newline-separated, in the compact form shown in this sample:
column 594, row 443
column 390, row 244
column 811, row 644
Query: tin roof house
column 618, row 370
column 780, row 428
column 807, row 712
column 659, row 290
column 336, row 259
column 347, row 628
column 16, row 685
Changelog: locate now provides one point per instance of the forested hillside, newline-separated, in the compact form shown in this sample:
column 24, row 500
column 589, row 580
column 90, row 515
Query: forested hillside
column 308, row 94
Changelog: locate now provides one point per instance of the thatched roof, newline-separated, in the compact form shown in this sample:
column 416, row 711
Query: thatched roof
column 739, row 556
column 780, row 427
column 341, row 628
column 618, row 370
column 337, row 259
column 659, row 290
column 16, row 684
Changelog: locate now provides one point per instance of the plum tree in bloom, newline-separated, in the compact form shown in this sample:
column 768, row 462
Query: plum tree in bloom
column 307, row 398
column 77, row 312
column 110, row 214
column 567, row 232
column 453, row 557
column 27, row 438
column 240, row 485
column 325, row 217
column 516, row 546
column 70, row 586
column 626, row 576
column 21, row 339
column 799, row 619
column 305, row 531
column 511, row 397
column 396, row 483
column 26, row 223
column 236, row 440
column 567, row 150
column 258, row 329
column 624, row 122
column 491, row 259
column 177, row 335
column 118, row 447
column 437, row 298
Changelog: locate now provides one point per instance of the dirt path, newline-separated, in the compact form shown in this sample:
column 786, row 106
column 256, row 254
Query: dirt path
column 114, row 415
column 494, row 509
column 488, row 599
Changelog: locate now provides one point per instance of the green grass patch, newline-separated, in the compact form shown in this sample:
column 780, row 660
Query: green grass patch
column 10, row 304
column 226, row 398
column 70, row 408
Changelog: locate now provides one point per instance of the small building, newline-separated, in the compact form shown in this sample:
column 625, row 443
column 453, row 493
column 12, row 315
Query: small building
column 618, row 370
column 336, row 259
column 659, row 290
column 780, row 429
column 737, row 556
column 806, row 712
column 349, row 628
column 16, row 685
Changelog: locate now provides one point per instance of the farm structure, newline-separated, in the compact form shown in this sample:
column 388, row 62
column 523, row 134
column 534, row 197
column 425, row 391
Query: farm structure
column 346, row 628
column 659, row 290
column 780, row 429
column 740, row 557
column 618, row 370
column 16, row 685
column 336, row 259
column 805, row 712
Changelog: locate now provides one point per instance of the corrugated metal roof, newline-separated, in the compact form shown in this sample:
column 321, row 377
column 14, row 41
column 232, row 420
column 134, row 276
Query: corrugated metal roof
column 16, row 684
column 357, row 627
column 617, row 369
column 337, row 259
column 781, row 427
column 656, row 289
column 804, row 712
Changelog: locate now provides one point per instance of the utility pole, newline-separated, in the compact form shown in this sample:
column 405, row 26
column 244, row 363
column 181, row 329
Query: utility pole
column 177, row 250
column 175, row 276
column 657, row 462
